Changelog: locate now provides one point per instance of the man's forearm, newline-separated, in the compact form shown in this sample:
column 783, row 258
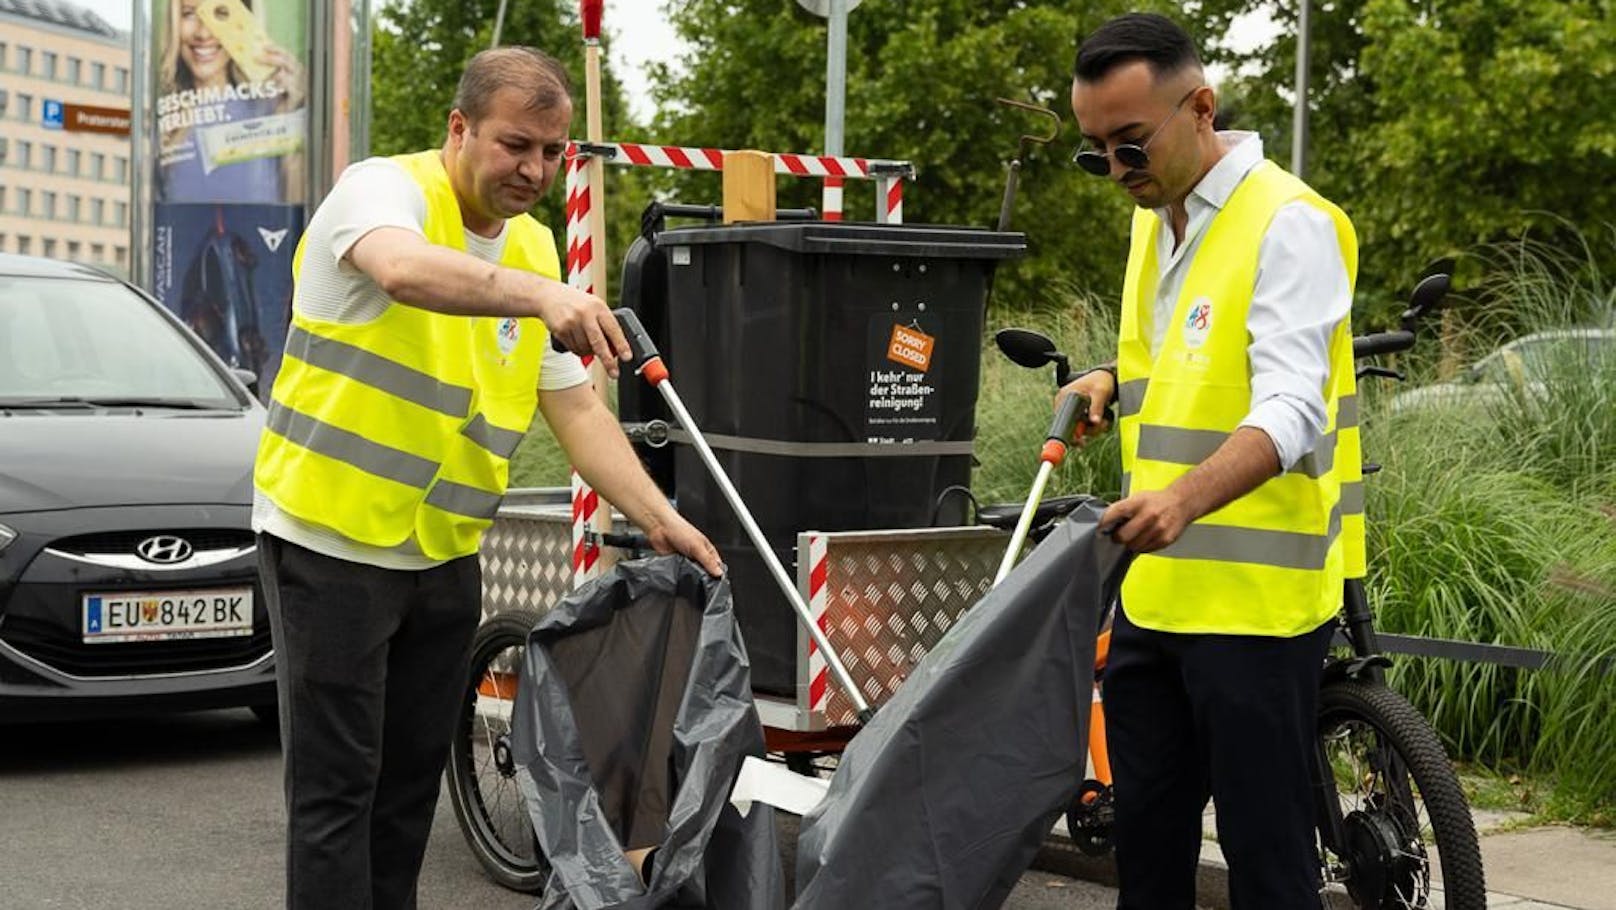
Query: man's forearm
column 1244, row 461
column 598, row 450
column 448, row 281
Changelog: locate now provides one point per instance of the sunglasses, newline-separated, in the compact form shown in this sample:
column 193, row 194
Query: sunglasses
column 1131, row 154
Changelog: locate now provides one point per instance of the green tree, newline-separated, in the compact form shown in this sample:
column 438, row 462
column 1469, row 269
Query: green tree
column 1442, row 125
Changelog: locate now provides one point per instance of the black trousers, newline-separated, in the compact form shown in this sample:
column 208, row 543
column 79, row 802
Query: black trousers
column 1226, row 716
column 370, row 668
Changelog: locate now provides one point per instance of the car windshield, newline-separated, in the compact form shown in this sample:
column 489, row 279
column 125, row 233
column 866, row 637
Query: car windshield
column 72, row 340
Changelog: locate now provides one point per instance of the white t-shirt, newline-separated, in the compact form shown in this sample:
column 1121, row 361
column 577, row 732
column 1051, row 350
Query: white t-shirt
column 372, row 194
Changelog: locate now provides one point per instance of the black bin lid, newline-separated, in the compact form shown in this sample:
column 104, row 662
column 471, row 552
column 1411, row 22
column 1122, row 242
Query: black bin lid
column 840, row 238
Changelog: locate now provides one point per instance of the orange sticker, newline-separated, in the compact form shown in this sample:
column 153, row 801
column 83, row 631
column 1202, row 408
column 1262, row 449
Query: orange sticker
column 910, row 347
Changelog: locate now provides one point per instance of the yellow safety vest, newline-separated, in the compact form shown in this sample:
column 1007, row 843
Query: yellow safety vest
column 1272, row 561
column 405, row 424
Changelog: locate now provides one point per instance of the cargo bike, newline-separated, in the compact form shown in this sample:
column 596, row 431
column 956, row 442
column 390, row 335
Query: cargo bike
column 905, row 568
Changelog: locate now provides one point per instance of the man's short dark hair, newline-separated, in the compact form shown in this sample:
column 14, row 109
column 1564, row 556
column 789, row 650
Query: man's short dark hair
column 530, row 71
column 1157, row 40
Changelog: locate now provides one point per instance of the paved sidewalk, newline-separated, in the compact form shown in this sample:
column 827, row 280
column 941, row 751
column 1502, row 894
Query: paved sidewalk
column 1550, row 867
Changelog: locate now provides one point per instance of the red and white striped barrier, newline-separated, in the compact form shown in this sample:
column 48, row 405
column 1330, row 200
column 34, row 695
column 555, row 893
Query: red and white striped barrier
column 818, row 599
column 888, row 175
column 580, row 258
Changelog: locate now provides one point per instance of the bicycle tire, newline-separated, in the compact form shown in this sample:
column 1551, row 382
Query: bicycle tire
column 481, row 778
column 1373, row 879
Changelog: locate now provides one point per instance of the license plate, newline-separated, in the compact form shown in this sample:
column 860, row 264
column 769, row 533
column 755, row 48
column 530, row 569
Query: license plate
column 168, row 615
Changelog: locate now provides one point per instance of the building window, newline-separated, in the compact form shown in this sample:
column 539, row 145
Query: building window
column 2, row 236
column 98, row 165
column 120, row 170
column 122, row 210
column 2, row 55
column 75, row 160
column 25, row 65
column 98, row 252
column 120, row 256
column 25, row 106
column 48, row 161
column 25, row 202
column 25, row 244
column 73, row 250
column 25, row 154
column 73, row 203
column 120, row 79
column 49, row 61
column 98, row 211
column 75, row 70
column 47, row 201
column 98, row 75
column 48, row 247
column 2, row 199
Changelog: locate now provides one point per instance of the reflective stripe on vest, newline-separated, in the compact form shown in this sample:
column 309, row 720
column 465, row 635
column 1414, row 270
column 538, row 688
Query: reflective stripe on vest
column 1272, row 561
column 403, row 426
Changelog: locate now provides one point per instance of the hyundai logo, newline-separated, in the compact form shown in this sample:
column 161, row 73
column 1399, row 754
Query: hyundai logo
column 164, row 549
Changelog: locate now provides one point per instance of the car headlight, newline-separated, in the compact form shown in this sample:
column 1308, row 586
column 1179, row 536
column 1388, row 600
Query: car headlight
column 6, row 537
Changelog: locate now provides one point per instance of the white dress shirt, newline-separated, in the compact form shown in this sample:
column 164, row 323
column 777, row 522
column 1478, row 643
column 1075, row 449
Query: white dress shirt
column 1301, row 295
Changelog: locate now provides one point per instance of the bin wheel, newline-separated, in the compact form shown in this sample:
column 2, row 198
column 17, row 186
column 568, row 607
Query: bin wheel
column 483, row 789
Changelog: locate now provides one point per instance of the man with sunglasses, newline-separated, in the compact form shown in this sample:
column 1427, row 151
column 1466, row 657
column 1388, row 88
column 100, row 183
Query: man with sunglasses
column 1235, row 403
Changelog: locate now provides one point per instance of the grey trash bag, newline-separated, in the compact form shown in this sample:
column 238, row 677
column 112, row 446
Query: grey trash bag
column 631, row 720
column 944, row 798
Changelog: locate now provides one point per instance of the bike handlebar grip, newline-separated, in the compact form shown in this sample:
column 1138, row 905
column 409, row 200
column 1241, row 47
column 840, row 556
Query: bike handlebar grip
column 1072, row 409
column 1382, row 343
column 631, row 540
column 638, row 338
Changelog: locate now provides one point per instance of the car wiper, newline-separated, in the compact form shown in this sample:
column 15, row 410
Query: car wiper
column 150, row 401
column 78, row 402
column 43, row 403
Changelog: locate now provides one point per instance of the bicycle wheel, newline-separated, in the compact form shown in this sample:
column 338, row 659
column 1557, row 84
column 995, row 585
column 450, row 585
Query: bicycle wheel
column 482, row 773
column 1401, row 812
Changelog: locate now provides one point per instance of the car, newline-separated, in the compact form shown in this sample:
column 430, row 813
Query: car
column 128, row 578
column 1518, row 373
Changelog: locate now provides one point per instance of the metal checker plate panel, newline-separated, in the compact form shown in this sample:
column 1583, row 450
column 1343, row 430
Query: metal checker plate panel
column 526, row 561
column 891, row 597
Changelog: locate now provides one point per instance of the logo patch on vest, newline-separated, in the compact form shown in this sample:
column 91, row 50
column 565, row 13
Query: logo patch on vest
column 1198, row 324
column 507, row 335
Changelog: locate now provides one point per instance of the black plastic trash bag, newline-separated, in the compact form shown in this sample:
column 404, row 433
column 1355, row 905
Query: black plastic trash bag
column 631, row 721
column 943, row 799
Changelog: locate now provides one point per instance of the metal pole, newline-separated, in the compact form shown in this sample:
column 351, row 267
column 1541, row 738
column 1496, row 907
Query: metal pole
column 1299, row 114
column 761, row 542
column 140, row 165
column 499, row 24
column 835, row 76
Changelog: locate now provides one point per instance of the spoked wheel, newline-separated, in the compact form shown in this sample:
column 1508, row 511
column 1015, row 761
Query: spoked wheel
column 482, row 773
column 1402, row 814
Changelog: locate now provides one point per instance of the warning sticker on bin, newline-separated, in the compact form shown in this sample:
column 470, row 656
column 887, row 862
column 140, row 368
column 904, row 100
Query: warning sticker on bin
column 911, row 347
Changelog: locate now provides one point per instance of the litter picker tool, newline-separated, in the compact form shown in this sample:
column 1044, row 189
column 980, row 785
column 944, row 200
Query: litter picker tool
column 648, row 364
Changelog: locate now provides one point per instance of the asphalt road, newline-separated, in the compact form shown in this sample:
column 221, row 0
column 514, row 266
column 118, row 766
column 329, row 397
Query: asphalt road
column 183, row 812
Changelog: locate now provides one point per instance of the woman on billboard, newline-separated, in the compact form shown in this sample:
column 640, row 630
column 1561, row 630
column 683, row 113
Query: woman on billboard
column 229, row 108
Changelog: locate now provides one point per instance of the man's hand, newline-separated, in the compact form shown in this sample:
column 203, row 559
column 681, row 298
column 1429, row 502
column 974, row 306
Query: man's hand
column 1149, row 521
column 584, row 324
column 1100, row 387
column 675, row 535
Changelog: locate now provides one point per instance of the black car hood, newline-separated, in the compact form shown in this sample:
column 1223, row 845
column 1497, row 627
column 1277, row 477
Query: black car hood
column 117, row 458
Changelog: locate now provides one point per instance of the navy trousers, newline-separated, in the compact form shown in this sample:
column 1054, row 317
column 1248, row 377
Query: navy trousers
column 1230, row 717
